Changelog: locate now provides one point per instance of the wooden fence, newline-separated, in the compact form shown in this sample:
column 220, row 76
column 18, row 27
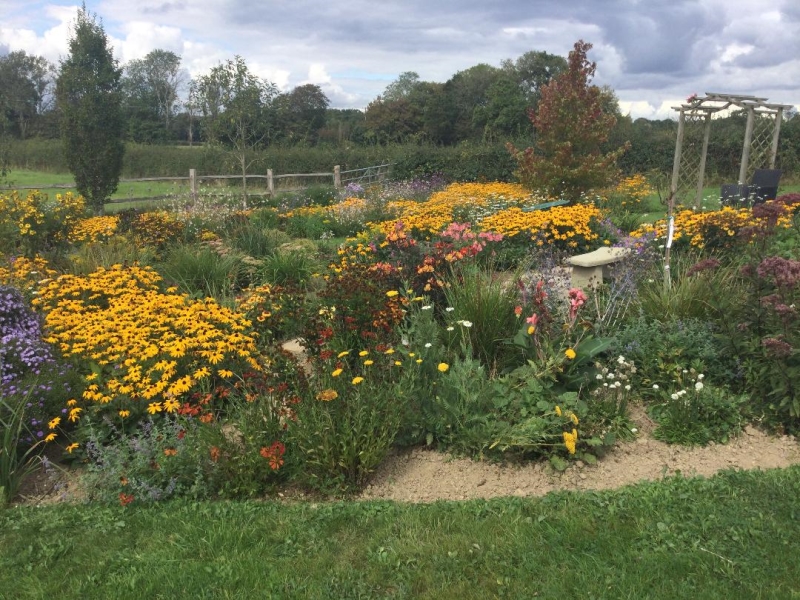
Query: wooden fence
column 339, row 178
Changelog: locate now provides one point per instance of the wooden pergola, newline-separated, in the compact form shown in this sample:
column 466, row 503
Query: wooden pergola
column 759, row 147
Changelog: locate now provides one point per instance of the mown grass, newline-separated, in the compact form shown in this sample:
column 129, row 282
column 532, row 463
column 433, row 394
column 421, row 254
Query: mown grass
column 731, row 536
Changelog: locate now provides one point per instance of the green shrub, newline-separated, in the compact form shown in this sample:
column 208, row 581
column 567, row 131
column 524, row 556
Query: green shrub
column 691, row 413
column 660, row 349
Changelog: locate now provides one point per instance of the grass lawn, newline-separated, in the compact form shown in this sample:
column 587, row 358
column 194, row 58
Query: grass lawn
column 731, row 536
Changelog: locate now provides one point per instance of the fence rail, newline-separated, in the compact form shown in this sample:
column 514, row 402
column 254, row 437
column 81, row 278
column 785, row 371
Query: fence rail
column 363, row 175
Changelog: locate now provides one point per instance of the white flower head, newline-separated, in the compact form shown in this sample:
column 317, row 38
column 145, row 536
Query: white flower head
column 427, row 307
column 466, row 324
column 449, row 309
column 450, row 328
column 674, row 396
column 428, row 345
column 700, row 377
column 599, row 376
column 628, row 388
column 698, row 386
column 655, row 386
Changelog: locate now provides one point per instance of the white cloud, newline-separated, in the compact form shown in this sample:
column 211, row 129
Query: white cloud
column 142, row 37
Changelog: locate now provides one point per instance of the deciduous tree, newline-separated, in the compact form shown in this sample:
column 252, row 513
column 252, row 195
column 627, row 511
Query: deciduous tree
column 571, row 128
column 236, row 109
column 151, row 86
column 25, row 90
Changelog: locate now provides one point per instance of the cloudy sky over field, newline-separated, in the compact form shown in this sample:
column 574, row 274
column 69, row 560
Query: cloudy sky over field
column 653, row 53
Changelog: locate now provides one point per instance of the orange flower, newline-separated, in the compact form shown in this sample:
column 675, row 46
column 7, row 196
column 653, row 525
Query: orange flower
column 214, row 452
column 206, row 418
column 170, row 451
column 125, row 499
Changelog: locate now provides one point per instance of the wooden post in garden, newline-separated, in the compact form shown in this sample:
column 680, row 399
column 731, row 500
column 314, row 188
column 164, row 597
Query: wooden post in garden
column 270, row 184
column 776, row 134
column 193, row 184
column 748, row 138
column 337, row 177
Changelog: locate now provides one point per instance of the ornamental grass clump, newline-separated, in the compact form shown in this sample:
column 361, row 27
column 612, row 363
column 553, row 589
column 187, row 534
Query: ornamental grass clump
column 141, row 349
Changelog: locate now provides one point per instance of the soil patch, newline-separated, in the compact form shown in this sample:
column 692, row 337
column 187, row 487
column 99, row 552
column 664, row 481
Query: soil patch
column 421, row 475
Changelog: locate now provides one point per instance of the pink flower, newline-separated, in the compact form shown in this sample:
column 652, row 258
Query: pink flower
column 576, row 299
column 532, row 320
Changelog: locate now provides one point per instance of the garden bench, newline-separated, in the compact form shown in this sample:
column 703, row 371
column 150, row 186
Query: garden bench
column 587, row 269
column 763, row 187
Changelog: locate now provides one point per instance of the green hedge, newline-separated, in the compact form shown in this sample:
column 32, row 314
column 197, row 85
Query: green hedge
column 458, row 163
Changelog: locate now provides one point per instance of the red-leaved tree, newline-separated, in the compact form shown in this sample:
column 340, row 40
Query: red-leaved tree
column 571, row 128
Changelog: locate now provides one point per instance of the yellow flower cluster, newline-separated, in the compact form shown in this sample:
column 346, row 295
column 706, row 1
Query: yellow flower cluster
column 347, row 209
column 631, row 191
column 570, row 439
column 93, row 229
column 25, row 273
column 155, row 228
column 568, row 224
column 438, row 212
column 27, row 214
column 141, row 343
column 697, row 227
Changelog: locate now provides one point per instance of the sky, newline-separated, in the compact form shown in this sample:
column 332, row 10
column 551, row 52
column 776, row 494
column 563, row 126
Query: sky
column 653, row 53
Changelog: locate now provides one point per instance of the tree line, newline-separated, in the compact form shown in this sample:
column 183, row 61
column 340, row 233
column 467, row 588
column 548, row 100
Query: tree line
column 89, row 100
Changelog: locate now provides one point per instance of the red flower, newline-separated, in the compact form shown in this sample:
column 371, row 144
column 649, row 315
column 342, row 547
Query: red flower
column 125, row 499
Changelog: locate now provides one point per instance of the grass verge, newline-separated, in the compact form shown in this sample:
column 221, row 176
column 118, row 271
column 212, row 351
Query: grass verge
column 730, row 536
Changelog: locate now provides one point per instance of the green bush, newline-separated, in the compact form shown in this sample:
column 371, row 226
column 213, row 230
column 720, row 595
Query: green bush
column 691, row 413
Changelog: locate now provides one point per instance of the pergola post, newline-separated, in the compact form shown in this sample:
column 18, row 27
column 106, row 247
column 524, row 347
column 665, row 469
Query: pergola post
column 702, row 170
column 676, row 164
column 748, row 138
column 773, row 153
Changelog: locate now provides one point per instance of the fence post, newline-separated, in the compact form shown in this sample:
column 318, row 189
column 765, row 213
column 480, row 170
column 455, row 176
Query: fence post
column 337, row 177
column 193, row 184
column 270, row 184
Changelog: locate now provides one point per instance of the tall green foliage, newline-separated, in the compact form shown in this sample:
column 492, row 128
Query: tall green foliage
column 89, row 98
column 571, row 128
